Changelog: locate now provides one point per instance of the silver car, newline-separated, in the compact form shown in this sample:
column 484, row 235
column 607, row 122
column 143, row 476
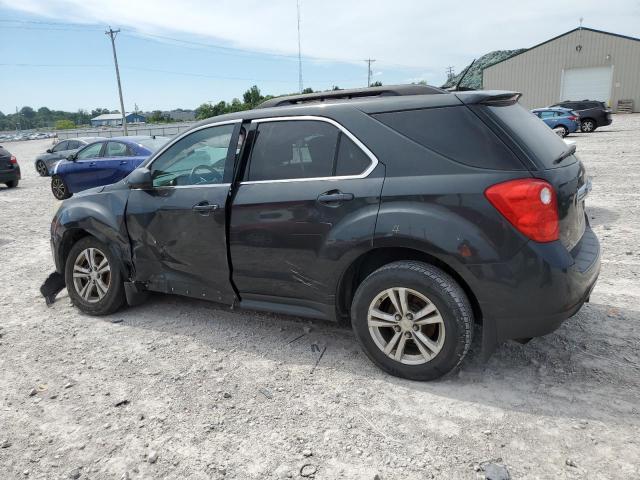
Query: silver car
column 45, row 162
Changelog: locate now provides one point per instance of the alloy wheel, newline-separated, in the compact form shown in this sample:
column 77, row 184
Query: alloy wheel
column 587, row 126
column 42, row 169
column 406, row 326
column 59, row 188
column 91, row 275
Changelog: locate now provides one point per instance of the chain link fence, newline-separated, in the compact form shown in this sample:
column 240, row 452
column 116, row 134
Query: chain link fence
column 168, row 130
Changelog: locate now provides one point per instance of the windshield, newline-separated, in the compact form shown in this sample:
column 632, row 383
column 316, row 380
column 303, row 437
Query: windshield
column 533, row 134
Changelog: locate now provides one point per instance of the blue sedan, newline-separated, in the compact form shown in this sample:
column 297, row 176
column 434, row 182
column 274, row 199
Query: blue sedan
column 102, row 163
column 563, row 120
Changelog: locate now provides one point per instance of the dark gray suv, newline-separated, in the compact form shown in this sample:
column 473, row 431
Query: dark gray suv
column 408, row 211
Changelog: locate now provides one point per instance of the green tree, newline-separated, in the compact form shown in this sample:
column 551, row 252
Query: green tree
column 376, row 84
column 64, row 124
column 252, row 97
column 307, row 90
column 98, row 111
column 158, row 117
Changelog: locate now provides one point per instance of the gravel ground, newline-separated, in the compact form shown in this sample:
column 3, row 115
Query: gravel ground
column 178, row 388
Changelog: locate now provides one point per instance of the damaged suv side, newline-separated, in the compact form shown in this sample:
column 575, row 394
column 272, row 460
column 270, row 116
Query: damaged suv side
column 410, row 212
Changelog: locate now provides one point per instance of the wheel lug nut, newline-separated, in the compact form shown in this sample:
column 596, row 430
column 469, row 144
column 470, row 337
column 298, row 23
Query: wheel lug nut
column 409, row 316
column 407, row 334
column 396, row 328
column 416, row 328
column 398, row 317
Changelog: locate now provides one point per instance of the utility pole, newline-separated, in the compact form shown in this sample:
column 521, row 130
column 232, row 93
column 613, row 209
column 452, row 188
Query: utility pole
column 112, row 34
column 450, row 73
column 300, row 85
column 369, row 62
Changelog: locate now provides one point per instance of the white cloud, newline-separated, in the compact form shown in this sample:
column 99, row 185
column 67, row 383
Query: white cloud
column 426, row 35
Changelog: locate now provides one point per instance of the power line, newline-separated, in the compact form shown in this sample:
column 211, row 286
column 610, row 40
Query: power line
column 112, row 35
column 369, row 62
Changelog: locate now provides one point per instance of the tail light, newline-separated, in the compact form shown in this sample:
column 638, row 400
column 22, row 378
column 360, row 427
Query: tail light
column 530, row 205
column 13, row 160
column 573, row 117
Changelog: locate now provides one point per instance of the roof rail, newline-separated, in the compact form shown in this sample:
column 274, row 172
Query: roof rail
column 384, row 91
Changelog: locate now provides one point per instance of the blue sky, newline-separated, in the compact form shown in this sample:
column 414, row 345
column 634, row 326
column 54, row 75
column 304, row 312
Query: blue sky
column 180, row 54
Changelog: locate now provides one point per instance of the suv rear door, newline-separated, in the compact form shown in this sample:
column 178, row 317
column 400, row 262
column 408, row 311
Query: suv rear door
column 306, row 207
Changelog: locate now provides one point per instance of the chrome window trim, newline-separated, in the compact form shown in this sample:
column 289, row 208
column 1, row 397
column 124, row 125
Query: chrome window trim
column 172, row 187
column 339, row 126
column 185, row 134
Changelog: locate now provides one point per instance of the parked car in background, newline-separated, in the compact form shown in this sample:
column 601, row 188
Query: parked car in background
column 101, row 163
column 44, row 163
column 593, row 114
column 559, row 119
column 409, row 211
column 9, row 168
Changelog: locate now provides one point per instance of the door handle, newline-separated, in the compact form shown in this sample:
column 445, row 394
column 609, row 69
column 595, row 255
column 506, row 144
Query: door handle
column 205, row 208
column 123, row 162
column 334, row 198
column 92, row 164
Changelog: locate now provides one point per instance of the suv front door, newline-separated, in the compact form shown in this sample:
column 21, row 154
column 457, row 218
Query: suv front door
column 306, row 207
column 177, row 229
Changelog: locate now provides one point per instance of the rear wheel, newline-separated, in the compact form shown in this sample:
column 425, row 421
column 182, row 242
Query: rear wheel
column 587, row 125
column 93, row 280
column 412, row 320
column 41, row 168
column 564, row 131
column 12, row 183
column 59, row 188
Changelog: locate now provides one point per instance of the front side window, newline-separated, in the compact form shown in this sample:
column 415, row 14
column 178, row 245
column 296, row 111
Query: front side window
column 60, row 147
column 293, row 149
column 197, row 159
column 91, row 151
column 116, row 149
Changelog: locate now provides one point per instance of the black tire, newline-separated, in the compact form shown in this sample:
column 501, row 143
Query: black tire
column 12, row 183
column 588, row 125
column 443, row 292
column 565, row 130
column 42, row 169
column 113, row 298
column 59, row 188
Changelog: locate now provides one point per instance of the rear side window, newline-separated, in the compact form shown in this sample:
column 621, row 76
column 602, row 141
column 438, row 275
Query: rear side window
column 351, row 160
column 293, row 149
column 455, row 133
column 533, row 134
column 117, row 149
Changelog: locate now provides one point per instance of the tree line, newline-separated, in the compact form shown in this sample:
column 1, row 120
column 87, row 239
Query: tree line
column 28, row 118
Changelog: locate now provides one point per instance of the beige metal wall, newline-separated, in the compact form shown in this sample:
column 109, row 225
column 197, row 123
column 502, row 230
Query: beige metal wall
column 537, row 73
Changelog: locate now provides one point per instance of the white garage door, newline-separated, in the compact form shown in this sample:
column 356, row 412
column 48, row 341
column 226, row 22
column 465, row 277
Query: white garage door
column 587, row 84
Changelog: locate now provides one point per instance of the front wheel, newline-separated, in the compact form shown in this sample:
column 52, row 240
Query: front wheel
column 59, row 188
column 412, row 320
column 93, row 279
column 42, row 169
column 587, row 125
column 564, row 131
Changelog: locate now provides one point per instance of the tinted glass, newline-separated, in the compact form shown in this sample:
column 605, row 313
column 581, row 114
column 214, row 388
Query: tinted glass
column 197, row 159
column 455, row 133
column 91, row 151
column 537, row 137
column 116, row 149
column 547, row 114
column 60, row 147
column 293, row 149
column 351, row 159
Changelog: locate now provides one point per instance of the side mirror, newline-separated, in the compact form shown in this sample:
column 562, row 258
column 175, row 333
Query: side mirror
column 72, row 157
column 49, row 150
column 140, row 178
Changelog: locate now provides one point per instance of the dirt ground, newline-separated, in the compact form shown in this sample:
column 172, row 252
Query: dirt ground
column 178, row 388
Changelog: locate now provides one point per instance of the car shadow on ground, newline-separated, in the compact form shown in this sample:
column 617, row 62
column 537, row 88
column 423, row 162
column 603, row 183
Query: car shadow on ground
column 602, row 216
column 591, row 360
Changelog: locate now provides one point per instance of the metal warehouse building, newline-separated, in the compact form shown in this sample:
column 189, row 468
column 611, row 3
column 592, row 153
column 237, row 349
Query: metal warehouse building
column 582, row 64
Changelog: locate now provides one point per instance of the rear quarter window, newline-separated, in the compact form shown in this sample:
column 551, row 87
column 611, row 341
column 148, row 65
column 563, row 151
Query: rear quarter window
column 532, row 134
column 455, row 133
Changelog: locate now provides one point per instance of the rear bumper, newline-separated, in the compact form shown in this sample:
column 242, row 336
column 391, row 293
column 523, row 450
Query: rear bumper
column 537, row 290
column 605, row 121
column 10, row 175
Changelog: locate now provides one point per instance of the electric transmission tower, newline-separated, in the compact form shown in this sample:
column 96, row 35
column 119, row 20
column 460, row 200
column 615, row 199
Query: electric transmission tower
column 112, row 34
column 300, row 85
column 369, row 62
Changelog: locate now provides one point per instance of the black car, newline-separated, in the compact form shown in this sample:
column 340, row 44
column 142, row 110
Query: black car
column 9, row 169
column 593, row 114
column 392, row 208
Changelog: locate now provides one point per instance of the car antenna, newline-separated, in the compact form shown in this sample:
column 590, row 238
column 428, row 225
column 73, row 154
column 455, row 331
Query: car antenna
column 464, row 74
